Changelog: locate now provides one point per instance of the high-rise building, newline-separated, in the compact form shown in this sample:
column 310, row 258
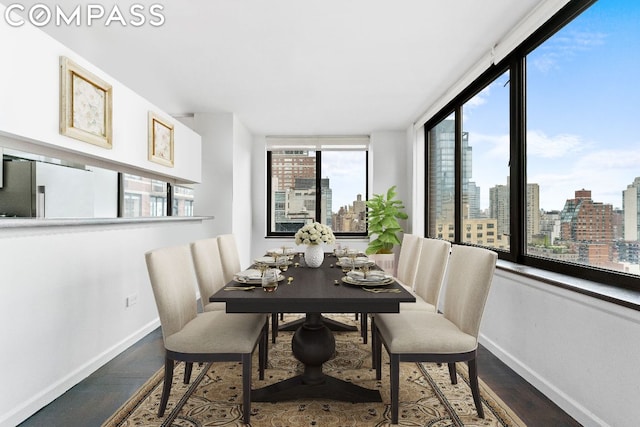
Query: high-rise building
column 588, row 226
column 499, row 209
column 631, row 206
column 442, row 149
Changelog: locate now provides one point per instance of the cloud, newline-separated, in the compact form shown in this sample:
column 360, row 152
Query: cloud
column 563, row 47
column 540, row 144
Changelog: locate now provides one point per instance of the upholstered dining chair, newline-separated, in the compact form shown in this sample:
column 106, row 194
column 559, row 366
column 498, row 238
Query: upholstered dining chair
column 230, row 259
column 432, row 266
column 229, row 256
column 405, row 273
column 423, row 336
column 213, row 336
column 408, row 260
column 208, row 266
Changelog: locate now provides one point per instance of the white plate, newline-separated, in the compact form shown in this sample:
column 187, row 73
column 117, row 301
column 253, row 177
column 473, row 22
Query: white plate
column 368, row 283
column 358, row 262
column 252, row 281
column 288, row 251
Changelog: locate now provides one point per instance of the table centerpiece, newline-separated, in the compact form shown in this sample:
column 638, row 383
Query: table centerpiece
column 314, row 236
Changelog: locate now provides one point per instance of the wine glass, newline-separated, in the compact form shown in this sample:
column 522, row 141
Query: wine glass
column 352, row 253
column 270, row 280
column 282, row 262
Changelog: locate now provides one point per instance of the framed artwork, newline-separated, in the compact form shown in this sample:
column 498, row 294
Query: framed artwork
column 160, row 140
column 85, row 105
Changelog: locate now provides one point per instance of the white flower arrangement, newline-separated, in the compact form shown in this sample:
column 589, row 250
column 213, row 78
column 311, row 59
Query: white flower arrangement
column 314, row 234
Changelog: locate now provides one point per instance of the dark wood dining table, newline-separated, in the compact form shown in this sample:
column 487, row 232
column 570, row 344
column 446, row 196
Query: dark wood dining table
column 313, row 291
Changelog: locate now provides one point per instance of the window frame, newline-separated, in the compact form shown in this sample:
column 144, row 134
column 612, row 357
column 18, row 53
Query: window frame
column 318, row 178
column 515, row 63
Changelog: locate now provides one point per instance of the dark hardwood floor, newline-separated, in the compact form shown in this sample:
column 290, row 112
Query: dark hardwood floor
column 92, row 401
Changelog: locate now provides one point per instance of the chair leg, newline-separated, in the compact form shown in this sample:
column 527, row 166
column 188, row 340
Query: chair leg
column 373, row 341
column 475, row 389
column 188, row 368
column 364, row 324
column 452, row 373
column 166, row 386
column 378, row 354
column 274, row 326
column 263, row 346
column 394, row 377
column 246, row 387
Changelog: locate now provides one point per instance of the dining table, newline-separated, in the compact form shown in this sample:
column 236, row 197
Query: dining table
column 314, row 292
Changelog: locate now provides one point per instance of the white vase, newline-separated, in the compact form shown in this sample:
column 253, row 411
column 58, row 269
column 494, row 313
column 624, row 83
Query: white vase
column 314, row 255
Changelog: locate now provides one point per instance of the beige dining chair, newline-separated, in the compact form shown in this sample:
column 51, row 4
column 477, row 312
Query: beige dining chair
column 208, row 266
column 229, row 256
column 408, row 260
column 213, row 336
column 405, row 274
column 432, row 266
column 423, row 336
column 230, row 259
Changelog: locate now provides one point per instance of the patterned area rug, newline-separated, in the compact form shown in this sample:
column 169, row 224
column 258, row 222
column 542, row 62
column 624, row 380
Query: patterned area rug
column 427, row 397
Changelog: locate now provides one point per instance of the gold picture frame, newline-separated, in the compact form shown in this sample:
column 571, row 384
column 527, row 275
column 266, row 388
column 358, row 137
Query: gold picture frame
column 160, row 140
column 85, row 105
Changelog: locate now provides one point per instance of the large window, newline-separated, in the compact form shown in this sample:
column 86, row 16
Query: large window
column 320, row 182
column 538, row 158
column 583, row 151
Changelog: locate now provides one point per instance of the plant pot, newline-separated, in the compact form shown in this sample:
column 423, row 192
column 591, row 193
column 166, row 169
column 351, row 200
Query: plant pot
column 387, row 262
column 314, row 255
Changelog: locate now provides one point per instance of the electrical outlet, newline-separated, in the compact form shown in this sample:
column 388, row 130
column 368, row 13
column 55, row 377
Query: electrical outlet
column 131, row 300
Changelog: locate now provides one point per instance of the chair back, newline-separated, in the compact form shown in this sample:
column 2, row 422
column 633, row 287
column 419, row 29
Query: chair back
column 408, row 259
column 208, row 267
column 172, row 279
column 229, row 256
column 469, row 277
column 434, row 257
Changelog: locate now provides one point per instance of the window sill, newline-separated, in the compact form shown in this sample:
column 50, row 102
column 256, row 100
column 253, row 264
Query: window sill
column 12, row 223
column 620, row 296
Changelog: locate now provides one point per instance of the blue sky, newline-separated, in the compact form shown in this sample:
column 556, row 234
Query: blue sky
column 582, row 106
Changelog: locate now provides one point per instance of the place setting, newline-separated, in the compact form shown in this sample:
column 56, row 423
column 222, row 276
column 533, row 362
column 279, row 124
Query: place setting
column 359, row 272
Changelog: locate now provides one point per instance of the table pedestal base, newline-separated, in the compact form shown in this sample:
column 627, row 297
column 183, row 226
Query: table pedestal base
column 331, row 389
column 334, row 325
column 313, row 344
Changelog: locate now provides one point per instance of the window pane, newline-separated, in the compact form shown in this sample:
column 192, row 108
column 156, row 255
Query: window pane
column 182, row 201
column 582, row 149
column 485, row 166
column 293, row 192
column 346, row 176
column 441, row 179
column 144, row 197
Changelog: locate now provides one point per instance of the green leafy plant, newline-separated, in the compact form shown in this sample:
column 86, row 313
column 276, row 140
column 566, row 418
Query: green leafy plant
column 382, row 217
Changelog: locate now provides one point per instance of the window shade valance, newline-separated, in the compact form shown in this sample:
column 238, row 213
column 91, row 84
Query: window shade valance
column 318, row 143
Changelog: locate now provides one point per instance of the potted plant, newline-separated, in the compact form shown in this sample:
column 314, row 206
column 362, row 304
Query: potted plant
column 384, row 211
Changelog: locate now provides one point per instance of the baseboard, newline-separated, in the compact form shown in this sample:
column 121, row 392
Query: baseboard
column 565, row 402
column 48, row 395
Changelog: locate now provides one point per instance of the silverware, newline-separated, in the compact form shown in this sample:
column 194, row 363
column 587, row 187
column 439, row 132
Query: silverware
column 378, row 290
column 239, row 288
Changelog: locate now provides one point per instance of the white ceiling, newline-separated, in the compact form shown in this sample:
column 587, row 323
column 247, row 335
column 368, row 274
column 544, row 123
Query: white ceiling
column 297, row 67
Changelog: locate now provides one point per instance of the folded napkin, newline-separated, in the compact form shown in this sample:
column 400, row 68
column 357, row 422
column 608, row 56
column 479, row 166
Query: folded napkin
column 372, row 276
column 250, row 274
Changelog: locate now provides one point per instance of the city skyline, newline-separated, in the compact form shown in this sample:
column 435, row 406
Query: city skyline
column 579, row 140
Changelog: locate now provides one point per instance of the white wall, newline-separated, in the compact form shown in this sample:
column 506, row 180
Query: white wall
column 214, row 196
column 580, row 351
column 29, row 111
column 62, row 304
